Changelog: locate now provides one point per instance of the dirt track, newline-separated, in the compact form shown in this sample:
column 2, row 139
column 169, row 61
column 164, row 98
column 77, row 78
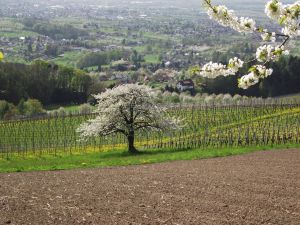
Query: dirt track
column 259, row 188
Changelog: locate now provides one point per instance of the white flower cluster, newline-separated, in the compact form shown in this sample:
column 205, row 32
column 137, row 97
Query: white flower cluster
column 213, row 70
column 274, row 9
column 286, row 15
column 227, row 18
column 234, row 64
column 268, row 36
column 270, row 53
column 256, row 72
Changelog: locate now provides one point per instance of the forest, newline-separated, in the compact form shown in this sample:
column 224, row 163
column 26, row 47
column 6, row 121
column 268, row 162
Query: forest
column 47, row 82
column 54, row 84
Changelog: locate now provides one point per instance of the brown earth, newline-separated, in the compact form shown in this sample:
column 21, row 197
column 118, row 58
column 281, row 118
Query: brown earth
column 258, row 188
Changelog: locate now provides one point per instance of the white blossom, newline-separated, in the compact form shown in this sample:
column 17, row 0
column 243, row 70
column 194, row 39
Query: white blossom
column 274, row 9
column 248, row 80
column 291, row 29
column 213, row 70
column 262, row 72
column 257, row 72
column 268, row 36
column 286, row 15
column 227, row 18
column 270, row 53
column 246, row 25
column 235, row 64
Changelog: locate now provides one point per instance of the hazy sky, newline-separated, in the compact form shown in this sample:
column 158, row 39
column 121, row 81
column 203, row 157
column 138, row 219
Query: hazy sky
column 183, row 3
column 238, row 5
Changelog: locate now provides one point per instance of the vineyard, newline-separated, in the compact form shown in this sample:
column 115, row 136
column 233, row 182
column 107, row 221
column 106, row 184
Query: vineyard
column 207, row 126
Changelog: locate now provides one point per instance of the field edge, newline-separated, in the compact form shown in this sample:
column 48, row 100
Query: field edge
column 122, row 158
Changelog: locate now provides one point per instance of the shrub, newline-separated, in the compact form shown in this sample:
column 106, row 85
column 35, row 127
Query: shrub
column 227, row 99
column 7, row 110
column 237, row 98
column 11, row 113
column 3, row 108
column 85, row 109
column 61, row 111
column 33, row 107
column 173, row 98
column 21, row 106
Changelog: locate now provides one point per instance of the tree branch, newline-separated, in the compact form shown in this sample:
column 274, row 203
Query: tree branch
column 284, row 42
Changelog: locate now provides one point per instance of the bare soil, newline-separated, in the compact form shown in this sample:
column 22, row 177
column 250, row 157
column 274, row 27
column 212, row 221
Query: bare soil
column 258, row 188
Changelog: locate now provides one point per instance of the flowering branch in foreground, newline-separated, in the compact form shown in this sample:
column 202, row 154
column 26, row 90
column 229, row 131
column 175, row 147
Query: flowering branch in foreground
column 286, row 15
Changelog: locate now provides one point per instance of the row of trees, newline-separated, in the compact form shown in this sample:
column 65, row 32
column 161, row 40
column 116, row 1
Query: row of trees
column 100, row 59
column 47, row 82
column 52, row 84
column 30, row 107
column 55, row 31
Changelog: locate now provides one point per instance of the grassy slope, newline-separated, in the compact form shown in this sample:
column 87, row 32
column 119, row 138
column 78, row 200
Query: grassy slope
column 69, row 58
column 151, row 58
column 121, row 158
column 68, row 108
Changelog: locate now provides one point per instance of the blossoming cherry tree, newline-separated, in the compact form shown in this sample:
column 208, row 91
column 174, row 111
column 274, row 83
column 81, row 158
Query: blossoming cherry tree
column 127, row 109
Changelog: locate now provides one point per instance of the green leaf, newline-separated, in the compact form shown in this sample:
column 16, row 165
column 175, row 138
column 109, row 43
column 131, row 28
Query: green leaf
column 252, row 69
column 260, row 29
column 282, row 20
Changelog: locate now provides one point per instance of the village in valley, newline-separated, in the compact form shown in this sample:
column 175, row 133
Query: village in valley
column 149, row 45
column 96, row 45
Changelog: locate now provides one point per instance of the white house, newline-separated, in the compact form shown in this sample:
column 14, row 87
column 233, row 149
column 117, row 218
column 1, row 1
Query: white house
column 185, row 85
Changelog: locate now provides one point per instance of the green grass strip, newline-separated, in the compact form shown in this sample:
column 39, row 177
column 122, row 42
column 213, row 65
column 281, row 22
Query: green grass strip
column 123, row 158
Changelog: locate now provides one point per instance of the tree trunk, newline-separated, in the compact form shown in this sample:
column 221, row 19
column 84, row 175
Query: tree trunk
column 131, row 147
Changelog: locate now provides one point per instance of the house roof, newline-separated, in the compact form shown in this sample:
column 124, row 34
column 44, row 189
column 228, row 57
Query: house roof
column 187, row 82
